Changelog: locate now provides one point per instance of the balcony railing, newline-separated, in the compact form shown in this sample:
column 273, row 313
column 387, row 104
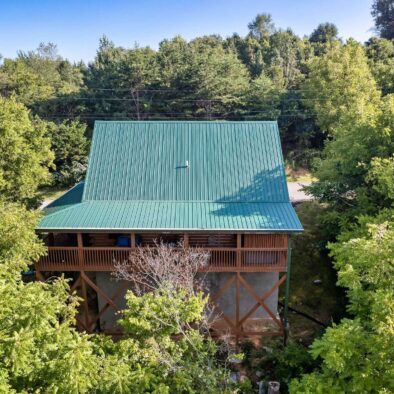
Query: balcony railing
column 64, row 258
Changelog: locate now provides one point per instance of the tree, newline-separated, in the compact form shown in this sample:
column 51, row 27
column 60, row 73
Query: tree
column 19, row 246
column 381, row 177
column 263, row 99
column 325, row 32
column 340, row 88
column 200, row 80
column 40, row 79
column 250, row 51
column 380, row 52
column 261, row 27
column 282, row 58
column 41, row 351
column 39, row 348
column 185, row 364
column 117, row 81
column 342, row 171
column 358, row 354
column 383, row 13
column 70, row 146
column 25, row 153
column 220, row 80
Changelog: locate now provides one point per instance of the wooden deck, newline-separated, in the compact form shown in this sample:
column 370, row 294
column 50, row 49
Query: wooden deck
column 64, row 258
column 238, row 254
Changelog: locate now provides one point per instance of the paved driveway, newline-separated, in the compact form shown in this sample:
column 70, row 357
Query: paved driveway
column 295, row 192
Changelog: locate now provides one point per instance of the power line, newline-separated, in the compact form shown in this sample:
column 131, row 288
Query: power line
column 173, row 115
column 59, row 98
column 240, row 112
column 187, row 90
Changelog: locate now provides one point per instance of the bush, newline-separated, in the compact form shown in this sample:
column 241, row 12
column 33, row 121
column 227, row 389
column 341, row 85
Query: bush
column 277, row 362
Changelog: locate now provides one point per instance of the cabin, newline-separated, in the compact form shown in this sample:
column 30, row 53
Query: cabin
column 215, row 185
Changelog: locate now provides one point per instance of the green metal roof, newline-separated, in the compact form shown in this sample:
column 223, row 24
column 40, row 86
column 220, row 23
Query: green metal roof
column 180, row 175
column 228, row 161
column 170, row 215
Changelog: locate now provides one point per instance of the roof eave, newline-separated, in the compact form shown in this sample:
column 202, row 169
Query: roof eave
column 115, row 230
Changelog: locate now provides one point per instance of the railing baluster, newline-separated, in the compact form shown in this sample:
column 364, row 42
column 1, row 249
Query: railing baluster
column 271, row 256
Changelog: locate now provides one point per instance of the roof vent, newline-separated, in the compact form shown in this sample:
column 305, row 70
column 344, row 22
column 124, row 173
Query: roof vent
column 187, row 164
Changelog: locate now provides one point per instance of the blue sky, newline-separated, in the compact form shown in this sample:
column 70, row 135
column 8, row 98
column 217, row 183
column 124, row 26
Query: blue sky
column 76, row 25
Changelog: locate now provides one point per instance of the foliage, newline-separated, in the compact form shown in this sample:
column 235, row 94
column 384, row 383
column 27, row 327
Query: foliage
column 324, row 33
column 310, row 261
column 357, row 355
column 270, row 73
column 169, row 317
column 261, row 27
column 383, row 13
column 19, row 246
column 381, row 177
column 127, row 71
column 38, row 77
column 24, row 152
column 380, row 52
column 259, row 76
column 276, row 362
column 185, row 364
column 340, row 88
column 360, row 125
column 70, row 146
column 40, row 350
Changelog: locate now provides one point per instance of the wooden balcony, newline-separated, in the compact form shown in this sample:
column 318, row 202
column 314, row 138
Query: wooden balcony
column 66, row 258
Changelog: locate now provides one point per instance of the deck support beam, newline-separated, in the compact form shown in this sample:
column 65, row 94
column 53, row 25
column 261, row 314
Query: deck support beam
column 287, row 292
column 243, row 256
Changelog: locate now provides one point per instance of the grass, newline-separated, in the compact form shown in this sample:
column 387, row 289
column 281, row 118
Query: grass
column 299, row 175
column 51, row 192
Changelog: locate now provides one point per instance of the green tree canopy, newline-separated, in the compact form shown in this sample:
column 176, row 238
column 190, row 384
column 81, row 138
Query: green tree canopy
column 70, row 147
column 342, row 171
column 380, row 52
column 261, row 27
column 383, row 13
column 325, row 32
column 117, row 78
column 25, row 153
column 358, row 354
column 283, row 58
column 340, row 88
column 19, row 246
column 41, row 351
column 40, row 79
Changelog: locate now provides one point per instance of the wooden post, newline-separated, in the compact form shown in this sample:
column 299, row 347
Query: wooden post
column 132, row 240
column 80, row 249
column 286, row 320
column 85, row 304
column 237, row 306
column 238, row 288
column 186, row 240
column 51, row 239
column 239, row 242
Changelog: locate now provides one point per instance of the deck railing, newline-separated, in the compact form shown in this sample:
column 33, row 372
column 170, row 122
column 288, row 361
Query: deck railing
column 65, row 258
